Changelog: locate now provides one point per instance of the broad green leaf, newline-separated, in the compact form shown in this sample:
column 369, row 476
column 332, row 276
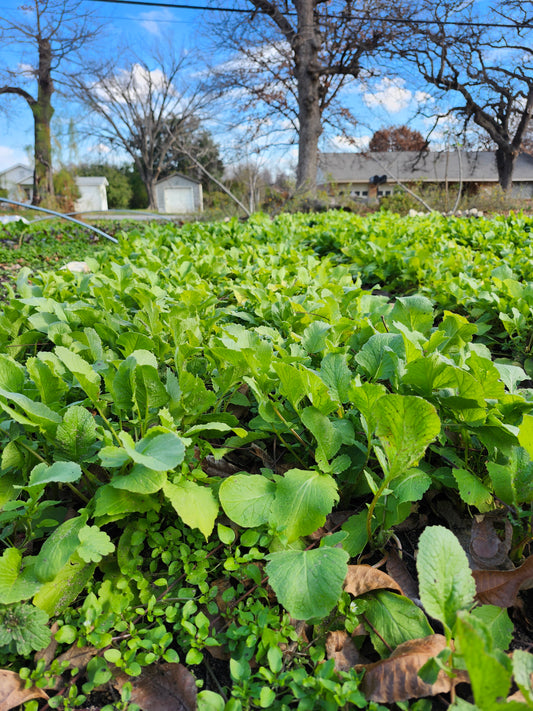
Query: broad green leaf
column 15, row 585
column 357, row 537
column 131, row 341
column 335, row 373
column 328, row 438
column 51, row 386
column 513, row 481
column 497, row 621
column 302, row 501
column 160, row 452
column 38, row 414
column 11, row 374
column 523, row 671
column 489, row 671
column 453, row 333
column 113, row 457
column 194, row 504
column 307, row 583
column 140, row 480
column 415, row 311
column 292, row 383
column 511, row 375
column 247, row 499
column 57, row 549
column 525, row 435
column 55, row 596
column 445, row 579
column 87, row 377
column 113, row 504
column 76, row 435
column 406, row 425
column 380, row 354
column 365, row 397
column 472, row 491
column 410, row 486
column 59, row 472
column 94, row 544
column 315, row 335
column 395, row 619
column 148, row 390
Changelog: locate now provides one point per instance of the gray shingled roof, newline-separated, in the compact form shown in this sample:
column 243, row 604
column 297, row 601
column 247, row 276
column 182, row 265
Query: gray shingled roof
column 408, row 166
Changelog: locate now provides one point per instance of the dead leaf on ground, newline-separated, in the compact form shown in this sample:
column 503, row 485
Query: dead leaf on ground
column 77, row 657
column 48, row 653
column 487, row 548
column 218, row 467
column 396, row 678
column 361, row 579
column 301, row 628
column 162, row 687
column 397, row 569
column 341, row 648
column 13, row 693
column 501, row 587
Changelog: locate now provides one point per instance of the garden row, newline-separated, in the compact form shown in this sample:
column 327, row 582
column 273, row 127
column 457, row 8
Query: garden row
column 204, row 437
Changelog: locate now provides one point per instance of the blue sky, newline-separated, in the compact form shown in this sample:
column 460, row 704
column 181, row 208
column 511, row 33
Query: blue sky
column 389, row 100
column 123, row 26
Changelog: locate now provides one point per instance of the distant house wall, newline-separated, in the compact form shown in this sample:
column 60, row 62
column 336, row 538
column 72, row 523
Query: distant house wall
column 179, row 195
column 93, row 194
column 354, row 173
column 18, row 182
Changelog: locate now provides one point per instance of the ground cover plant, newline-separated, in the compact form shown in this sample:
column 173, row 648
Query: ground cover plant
column 275, row 464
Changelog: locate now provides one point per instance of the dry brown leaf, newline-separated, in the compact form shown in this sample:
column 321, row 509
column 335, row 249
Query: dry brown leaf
column 397, row 569
column 500, row 587
column 77, row 657
column 341, row 648
column 487, row 549
column 396, row 678
column 162, row 687
column 13, row 693
column 361, row 579
column 48, row 653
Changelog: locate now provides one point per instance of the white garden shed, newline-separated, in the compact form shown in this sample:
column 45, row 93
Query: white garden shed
column 179, row 194
column 93, row 194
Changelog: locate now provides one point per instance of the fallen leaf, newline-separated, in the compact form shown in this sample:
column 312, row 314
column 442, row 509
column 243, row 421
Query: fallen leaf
column 162, row 687
column 487, row 549
column 48, row 653
column 341, row 648
column 500, row 587
column 396, row 678
column 397, row 569
column 77, row 657
column 13, row 692
column 361, row 579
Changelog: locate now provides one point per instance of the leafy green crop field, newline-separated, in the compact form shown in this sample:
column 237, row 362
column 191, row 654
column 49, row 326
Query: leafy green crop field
column 278, row 464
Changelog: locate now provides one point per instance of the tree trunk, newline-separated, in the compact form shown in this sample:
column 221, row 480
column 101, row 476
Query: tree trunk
column 306, row 46
column 43, row 186
column 505, row 165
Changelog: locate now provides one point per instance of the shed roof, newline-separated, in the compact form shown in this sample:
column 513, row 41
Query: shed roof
column 178, row 175
column 431, row 166
column 91, row 180
column 18, row 173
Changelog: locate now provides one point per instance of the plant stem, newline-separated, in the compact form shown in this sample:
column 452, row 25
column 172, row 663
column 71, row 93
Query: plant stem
column 372, row 506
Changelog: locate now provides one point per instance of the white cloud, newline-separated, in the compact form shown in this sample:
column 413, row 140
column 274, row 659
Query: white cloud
column 154, row 20
column 389, row 94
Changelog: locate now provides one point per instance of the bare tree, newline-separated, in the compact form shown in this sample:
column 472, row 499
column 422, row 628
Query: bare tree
column 54, row 31
column 144, row 110
column 488, row 71
column 295, row 56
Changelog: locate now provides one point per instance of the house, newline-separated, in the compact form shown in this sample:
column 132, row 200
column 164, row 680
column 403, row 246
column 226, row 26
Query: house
column 373, row 175
column 17, row 181
column 178, row 194
column 93, row 194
